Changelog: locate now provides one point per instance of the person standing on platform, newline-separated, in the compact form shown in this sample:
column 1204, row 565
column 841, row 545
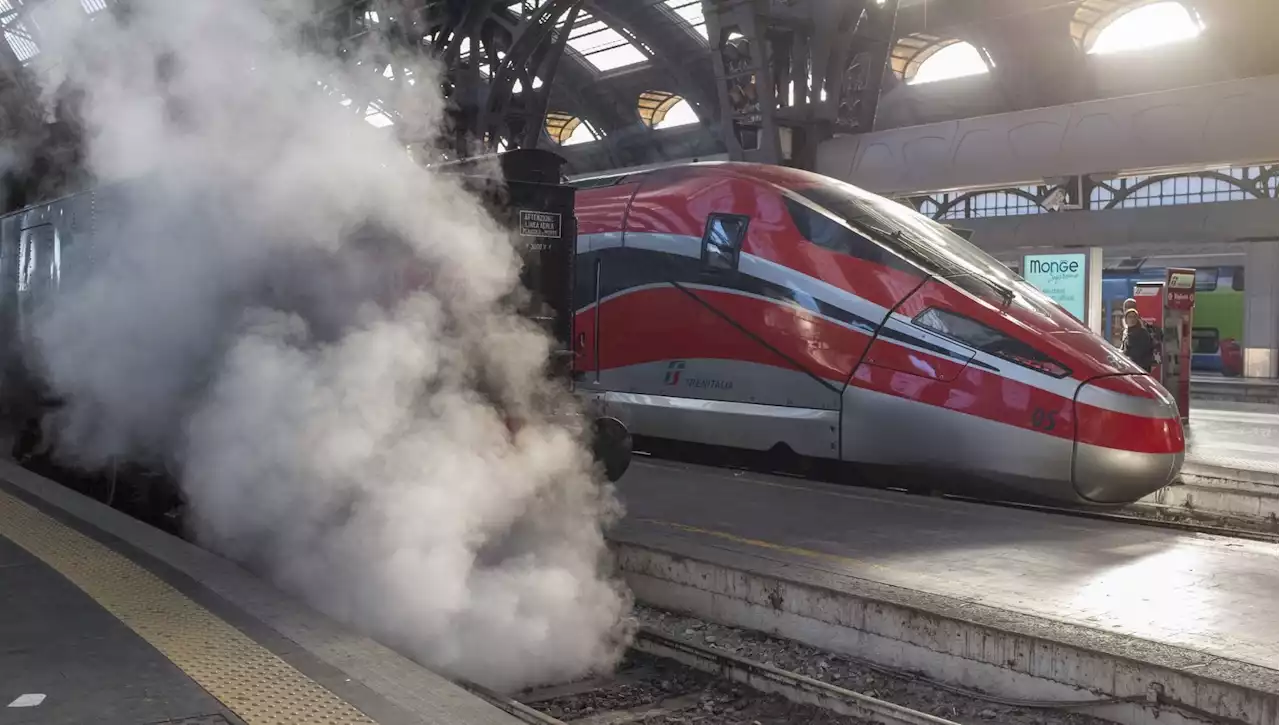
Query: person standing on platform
column 1138, row 343
column 1132, row 304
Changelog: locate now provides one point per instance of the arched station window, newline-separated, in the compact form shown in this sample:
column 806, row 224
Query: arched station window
column 924, row 58
column 567, row 130
column 1114, row 26
column 661, row 109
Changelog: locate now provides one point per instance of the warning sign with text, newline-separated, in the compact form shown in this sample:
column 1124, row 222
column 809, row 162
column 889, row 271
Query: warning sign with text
column 539, row 224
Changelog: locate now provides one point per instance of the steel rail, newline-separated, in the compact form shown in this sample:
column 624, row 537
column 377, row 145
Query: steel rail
column 794, row 687
column 1100, row 515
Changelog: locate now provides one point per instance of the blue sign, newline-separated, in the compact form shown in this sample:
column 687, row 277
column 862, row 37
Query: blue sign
column 1061, row 277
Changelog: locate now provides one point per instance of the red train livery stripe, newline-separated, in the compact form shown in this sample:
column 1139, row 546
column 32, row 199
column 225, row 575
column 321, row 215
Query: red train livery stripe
column 1126, row 432
column 650, row 337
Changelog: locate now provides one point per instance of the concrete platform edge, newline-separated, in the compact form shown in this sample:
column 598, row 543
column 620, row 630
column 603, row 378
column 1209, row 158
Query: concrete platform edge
column 1204, row 490
column 1227, row 477
column 425, row 696
column 1238, row 390
column 952, row 640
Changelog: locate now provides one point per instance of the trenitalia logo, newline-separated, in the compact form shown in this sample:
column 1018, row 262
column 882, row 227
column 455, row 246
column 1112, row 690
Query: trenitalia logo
column 673, row 372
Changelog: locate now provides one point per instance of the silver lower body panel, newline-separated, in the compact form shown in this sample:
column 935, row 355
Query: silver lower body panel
column 1110, row 476
column 807, row 431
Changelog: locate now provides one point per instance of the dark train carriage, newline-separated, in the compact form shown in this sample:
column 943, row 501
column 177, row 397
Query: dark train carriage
column 36, row 246
column 46, row 246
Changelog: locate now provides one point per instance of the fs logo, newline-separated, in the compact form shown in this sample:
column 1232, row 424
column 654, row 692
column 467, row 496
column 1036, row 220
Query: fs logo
column 674, row 369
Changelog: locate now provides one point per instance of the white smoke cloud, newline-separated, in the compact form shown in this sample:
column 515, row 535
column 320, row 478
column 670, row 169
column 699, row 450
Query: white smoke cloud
column 343, row 441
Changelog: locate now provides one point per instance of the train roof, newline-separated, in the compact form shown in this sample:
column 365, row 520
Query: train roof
column 783, row 176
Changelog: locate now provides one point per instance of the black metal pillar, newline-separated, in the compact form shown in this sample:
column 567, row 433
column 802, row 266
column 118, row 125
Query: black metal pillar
column 790, row 74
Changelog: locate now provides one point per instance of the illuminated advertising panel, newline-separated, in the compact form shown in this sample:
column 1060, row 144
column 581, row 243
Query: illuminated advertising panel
column 1063, row 277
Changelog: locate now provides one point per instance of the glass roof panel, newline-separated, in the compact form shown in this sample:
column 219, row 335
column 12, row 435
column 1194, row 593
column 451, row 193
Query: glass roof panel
column 691, row 12
column 23, row 48
column 602, row 46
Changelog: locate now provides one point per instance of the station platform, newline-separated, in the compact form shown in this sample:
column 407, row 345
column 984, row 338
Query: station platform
column 1239, row 390
column 1011, row 601
column 106, row 620
column 1232, row 435
column 1231, row 474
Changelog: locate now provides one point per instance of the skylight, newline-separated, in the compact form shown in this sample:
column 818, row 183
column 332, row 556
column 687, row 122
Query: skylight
column 1148, row 26
column 378, row 119
column 23, row 47
column 691, row 12
column 602, row 46
column 952, row 61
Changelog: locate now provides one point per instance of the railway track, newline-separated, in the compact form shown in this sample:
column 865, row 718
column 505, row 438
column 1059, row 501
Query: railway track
column 1139, row 520
column 826, row 473
column 669, row 680
column 682, row 670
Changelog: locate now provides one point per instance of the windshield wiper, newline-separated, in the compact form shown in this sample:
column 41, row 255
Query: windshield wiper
column 1005, row 293
column 897, row 237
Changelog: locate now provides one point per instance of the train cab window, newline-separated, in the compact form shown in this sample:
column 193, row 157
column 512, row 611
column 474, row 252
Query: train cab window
column 722, row 241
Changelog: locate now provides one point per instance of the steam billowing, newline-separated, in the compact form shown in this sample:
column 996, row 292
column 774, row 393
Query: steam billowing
column 235, row 325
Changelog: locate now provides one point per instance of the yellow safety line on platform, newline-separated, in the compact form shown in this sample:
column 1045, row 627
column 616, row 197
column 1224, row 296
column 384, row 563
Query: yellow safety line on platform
column 251, row 681
column 810, row 553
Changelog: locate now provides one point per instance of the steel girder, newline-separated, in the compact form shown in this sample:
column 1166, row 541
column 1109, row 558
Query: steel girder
column 790, row 73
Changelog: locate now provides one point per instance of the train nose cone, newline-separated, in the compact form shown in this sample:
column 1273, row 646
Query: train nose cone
column 1129, row 439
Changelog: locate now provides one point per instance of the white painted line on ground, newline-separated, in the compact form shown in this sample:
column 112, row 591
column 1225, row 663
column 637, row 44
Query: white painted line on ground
column 28, row 700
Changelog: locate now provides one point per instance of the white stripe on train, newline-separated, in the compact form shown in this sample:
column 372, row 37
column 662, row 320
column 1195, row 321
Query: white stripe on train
column 689, row 246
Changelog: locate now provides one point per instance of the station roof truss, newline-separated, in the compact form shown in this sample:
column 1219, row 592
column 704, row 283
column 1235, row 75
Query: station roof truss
column 626, row 64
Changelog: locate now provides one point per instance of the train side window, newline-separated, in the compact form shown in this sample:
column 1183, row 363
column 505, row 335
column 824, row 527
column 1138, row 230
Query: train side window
column 722, row 241
column 1204, row 340
column 972, row 333
column 39, row 259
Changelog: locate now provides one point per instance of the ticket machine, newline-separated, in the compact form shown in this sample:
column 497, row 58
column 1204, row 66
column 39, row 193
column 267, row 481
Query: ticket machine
column 1167, row 307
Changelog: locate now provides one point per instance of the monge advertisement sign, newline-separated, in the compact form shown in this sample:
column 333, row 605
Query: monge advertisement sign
column 1061, row 276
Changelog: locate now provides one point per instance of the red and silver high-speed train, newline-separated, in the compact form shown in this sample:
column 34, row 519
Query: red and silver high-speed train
column 759, row 307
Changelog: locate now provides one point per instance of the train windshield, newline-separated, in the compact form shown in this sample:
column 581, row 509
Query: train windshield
column 934, row 247
column 924, row 241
